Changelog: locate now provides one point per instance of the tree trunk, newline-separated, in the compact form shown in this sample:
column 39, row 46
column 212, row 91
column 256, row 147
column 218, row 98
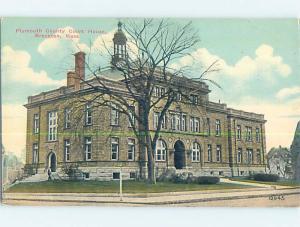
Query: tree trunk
column 151, row 162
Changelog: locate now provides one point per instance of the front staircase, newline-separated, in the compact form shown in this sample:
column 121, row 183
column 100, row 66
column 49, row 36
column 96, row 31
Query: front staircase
column 38, row 177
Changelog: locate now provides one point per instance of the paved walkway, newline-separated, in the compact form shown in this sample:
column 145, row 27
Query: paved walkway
column 226, row 180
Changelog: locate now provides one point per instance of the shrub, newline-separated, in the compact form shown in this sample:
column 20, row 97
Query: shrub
column 179, row 179
column 208, row 180
column 166, row 176
column 73, row 172
column 191, row 180
column 266, row 177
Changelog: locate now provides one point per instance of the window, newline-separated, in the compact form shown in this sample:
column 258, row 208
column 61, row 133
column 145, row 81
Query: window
column 36, row 123
column 178, row 122
column 155, row 119
column 88, row 148
column 157, row 91
column 114, row 148
column 218, row 127
column 88, row 114
column 52, row 126
column 250, row 156
column 209, row 157
column 67, row 118
column 219, row 153
column 239, row 155
column 86, row 175
column 131, row 114
column 258, row 156
column 131, row 149
column 183, row 123
column 35, row 153
column 178, row 97
column 116, row 175
column 164, row 122
column 162, row 91
column 132, row 175
column 197, row 125
column 194, row 99
column 249, row 134
column 208, row 126
column 67, row 150
column 257, row 135
column 114, row 119
column 160, row 152
column 173, row 121
column 238, row 132
column 194, row 124
column 195, row 152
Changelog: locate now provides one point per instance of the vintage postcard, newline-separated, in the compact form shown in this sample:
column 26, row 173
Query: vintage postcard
column 150, row 112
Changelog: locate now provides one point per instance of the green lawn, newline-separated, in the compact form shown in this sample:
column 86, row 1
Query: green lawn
column 113, row 187
column 280, row 182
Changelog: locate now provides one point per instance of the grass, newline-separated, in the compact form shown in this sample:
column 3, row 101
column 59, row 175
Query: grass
column 280, row 182
column 113, row 187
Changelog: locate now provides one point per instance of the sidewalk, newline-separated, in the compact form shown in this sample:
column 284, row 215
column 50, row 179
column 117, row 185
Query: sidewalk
column 226, row 180
column 151, row 198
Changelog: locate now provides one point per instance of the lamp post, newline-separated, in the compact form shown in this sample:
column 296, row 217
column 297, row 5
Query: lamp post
column 121, row 185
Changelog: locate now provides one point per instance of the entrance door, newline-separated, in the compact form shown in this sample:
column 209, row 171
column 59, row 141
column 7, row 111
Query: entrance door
column 52, row 162
column 179, row 156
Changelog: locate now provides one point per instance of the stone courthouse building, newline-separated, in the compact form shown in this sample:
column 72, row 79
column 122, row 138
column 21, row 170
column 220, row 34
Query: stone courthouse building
column 199, row 136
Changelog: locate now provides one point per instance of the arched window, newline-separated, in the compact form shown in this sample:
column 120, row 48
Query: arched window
column 195, row 152
column 161, row 150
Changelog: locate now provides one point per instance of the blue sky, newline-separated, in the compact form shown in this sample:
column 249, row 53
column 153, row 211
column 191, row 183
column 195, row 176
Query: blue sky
column 258, row 61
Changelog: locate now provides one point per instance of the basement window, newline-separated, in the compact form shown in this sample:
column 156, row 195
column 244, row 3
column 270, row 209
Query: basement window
column 132, row 175
column 116, row 175
column 86, row 175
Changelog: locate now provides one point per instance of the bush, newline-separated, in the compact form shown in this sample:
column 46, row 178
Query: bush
column 180, row 178
column 166, row 176
column 208, row 180
column 73, row 172
column 266, row 177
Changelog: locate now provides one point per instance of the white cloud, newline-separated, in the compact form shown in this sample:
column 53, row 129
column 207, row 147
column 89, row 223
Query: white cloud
column 16, row 68
column 70, row 41
column 264, row 64
column 287, row 92
column 103, row 42
column 14, row 128
column 281, row 119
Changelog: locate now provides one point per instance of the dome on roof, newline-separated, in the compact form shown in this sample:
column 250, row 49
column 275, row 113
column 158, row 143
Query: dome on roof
column 119, row 36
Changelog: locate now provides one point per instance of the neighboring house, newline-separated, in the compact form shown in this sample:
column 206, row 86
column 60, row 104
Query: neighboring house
column 12, row 168
column 295, row 151
column 280, row 162
column 198, row 136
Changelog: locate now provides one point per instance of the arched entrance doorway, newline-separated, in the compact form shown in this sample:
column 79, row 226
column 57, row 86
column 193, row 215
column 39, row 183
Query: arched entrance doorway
column 179, row 157
column 52, row 161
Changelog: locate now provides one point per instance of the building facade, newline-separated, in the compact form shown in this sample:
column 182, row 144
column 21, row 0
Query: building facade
column 199, row 136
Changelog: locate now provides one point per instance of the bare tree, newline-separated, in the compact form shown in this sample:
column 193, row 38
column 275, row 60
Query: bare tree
column 153, row 46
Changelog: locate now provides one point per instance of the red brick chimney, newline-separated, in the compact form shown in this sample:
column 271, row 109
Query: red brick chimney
column 74, row 78
column 80, row 65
